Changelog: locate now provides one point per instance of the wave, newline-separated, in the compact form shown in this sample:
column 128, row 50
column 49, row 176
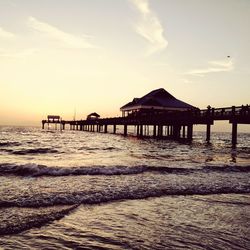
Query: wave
column 33, row 151
column 15, row 220
column 42, row 170
column 112, row 184
column 9, row 144
column 86, row 148
column 122, row 191
column 20, row 217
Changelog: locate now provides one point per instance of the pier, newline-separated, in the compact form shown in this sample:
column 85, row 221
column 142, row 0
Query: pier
column 174, row 125
column 159, row 115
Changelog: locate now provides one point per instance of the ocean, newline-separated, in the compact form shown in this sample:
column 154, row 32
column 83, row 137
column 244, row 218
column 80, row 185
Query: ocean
column 84, row 190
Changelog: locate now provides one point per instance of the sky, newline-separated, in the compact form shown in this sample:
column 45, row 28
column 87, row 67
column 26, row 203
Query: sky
column 79, row 56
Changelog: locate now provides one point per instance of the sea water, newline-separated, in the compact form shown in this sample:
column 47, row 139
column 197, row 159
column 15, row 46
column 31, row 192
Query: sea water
column 82, row 190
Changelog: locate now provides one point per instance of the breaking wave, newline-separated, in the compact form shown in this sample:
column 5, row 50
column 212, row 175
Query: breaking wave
column 33, row 202
column 32, row 151
column 42, row 170
column 16, row 219
column 122, row 191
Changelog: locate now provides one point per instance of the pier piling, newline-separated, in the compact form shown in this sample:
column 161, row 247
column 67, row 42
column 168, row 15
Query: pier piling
column 234, row 133
column 208, row 132
column 125, row 130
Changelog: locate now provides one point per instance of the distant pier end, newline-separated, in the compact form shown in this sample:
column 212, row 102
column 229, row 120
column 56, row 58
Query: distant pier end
column 53, row 119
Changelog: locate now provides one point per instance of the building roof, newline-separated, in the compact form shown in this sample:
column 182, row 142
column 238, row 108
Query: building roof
column 158, row 99
column 94, row 114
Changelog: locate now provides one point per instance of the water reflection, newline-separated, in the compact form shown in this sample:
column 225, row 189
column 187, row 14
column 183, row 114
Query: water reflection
column 233, row 156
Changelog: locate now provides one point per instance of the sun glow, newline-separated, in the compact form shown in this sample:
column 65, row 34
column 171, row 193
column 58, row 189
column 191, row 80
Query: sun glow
column 92, row 61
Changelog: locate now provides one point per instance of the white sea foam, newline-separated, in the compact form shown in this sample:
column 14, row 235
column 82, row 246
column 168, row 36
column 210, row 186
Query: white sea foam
column 32, row 169
column 93, row 189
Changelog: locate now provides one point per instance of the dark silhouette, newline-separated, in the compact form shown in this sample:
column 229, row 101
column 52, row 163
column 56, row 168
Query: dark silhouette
column 93, row 116
column 168, row 116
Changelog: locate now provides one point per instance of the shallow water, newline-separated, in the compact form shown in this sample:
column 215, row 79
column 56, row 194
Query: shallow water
column 81, row 190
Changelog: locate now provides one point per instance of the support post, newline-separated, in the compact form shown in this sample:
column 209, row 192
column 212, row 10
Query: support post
column 154, row 131
column 105, row 128
column 234, row 133
column 183, row 131
column 176, row 131
column 159, row 130
column 125, row 130
column 208, row 132
column 141, row 130
column 171, row 131
column 190, row 132
column 114, row 129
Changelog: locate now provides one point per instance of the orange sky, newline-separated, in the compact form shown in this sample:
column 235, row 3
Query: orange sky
column 97, row 55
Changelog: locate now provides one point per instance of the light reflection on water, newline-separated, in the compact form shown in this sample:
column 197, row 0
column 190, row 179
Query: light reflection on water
column 122, row 206
column 77, row 148
column 174, row 222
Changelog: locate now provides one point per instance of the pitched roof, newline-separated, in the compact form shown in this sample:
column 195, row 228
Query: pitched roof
column 94, row 114
column 158, row 98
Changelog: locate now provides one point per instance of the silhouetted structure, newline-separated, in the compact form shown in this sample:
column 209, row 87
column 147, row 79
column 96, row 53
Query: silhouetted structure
column 158, row 101
column 93, row 116
column 167, row 117
column 55, row 119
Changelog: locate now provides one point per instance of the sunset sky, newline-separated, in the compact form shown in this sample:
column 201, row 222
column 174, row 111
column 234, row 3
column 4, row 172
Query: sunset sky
column 58, row 56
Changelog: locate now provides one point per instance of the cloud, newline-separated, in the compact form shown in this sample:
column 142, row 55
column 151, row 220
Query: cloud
column 149, row 26
column 215, row 66
column 66, row 39
column 5, row 34
column 186, row 81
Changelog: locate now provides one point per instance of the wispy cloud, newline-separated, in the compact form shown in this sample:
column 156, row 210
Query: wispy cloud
column 214, row 66
column 149, row 26
column 6, row 34
column 66, row 39
column 186, row 81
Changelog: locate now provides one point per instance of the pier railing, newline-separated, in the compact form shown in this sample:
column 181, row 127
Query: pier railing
column 242, row 113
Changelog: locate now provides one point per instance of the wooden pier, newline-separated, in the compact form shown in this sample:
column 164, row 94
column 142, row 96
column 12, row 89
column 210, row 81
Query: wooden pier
column 177, row 125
